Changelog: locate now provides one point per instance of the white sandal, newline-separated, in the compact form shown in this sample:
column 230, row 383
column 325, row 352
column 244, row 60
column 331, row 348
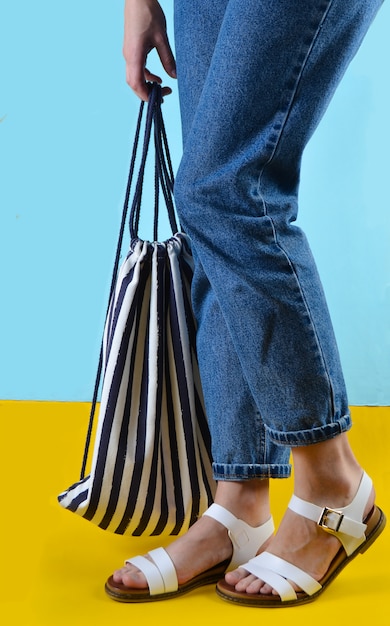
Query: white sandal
column 345, row 523
column 161, row 575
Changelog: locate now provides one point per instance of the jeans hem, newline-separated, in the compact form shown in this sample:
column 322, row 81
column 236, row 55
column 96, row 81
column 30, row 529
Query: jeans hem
column 311, row 436
column 235, row 471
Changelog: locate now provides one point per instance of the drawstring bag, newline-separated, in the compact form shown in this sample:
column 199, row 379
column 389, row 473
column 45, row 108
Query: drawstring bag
column 151, row 463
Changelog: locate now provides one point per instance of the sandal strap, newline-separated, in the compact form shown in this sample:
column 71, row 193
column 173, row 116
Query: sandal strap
column 246, row 539
column 160, row 574
column 277, row 573
column 345, row 523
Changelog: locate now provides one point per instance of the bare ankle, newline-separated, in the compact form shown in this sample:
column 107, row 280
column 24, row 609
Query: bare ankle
column 327, row 469
column 248, row 500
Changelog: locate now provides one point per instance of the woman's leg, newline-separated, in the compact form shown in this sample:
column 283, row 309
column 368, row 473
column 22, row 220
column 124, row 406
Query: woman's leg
column 197, row 28
column 242, row 448
column 273, row 72
column 274, row 69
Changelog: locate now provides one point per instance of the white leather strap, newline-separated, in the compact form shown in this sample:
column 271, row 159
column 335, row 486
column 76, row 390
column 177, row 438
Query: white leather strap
column 329, row 519
column 160, row 574
column 151, row 573
column 346, row 522
column 246, row 539
column 277, row 582
column 222, row 515
column 275, row 571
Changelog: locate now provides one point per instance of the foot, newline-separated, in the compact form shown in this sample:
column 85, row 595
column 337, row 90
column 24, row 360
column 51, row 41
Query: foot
column 301, row 542
column 207, row 543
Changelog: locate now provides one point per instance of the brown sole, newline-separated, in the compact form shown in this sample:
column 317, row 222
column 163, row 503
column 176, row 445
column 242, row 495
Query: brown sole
column 121, row 593
column 375, row 526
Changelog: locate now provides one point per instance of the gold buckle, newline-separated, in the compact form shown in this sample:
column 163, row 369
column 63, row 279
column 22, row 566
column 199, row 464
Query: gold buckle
column 330, row 519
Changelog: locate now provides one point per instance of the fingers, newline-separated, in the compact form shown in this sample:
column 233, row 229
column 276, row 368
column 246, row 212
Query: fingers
column 153, row 78
column 137, row 74
column 140, row 83
column 145, row 30
column 167, row 59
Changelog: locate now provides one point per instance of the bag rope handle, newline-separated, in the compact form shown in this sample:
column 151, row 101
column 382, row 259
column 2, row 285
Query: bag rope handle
column 164, row 179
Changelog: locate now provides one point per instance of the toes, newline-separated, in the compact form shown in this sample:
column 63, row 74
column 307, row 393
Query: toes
column 130, row 577
column 267, row 590
column 232, row 578
column 255, row 586
column 243, row 582
column 134, row 579
column 118, row 574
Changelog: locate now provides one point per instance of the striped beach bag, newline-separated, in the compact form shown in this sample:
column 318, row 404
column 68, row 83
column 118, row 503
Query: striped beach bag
column 151, row 463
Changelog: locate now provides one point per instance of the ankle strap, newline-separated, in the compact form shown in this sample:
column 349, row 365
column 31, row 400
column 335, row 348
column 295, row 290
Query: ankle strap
column 246, row 539
column 346, row 522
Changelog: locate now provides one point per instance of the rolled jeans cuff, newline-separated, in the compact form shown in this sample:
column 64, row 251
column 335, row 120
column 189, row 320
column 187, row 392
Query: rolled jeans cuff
column 238, row 472
column 311, row 436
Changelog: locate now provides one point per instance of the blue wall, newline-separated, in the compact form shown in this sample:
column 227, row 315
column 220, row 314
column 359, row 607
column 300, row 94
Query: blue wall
column 65, row 136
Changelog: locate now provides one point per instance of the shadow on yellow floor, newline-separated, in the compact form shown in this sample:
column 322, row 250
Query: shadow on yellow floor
column 54, row 564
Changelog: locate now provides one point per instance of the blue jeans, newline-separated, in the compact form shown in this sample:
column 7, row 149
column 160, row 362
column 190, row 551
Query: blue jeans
column 255, row 78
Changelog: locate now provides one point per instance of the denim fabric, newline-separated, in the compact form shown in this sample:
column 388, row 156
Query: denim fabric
column 255, row 78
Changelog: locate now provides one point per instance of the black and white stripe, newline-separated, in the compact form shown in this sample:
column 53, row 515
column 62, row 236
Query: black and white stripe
column 151, row 467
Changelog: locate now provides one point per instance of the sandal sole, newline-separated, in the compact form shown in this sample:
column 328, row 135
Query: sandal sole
column 121, row 593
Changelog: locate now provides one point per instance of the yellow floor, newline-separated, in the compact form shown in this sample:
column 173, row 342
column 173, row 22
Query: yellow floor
column 54, row 563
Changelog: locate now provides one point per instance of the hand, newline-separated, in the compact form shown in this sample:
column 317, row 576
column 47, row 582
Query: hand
column 145, row 29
